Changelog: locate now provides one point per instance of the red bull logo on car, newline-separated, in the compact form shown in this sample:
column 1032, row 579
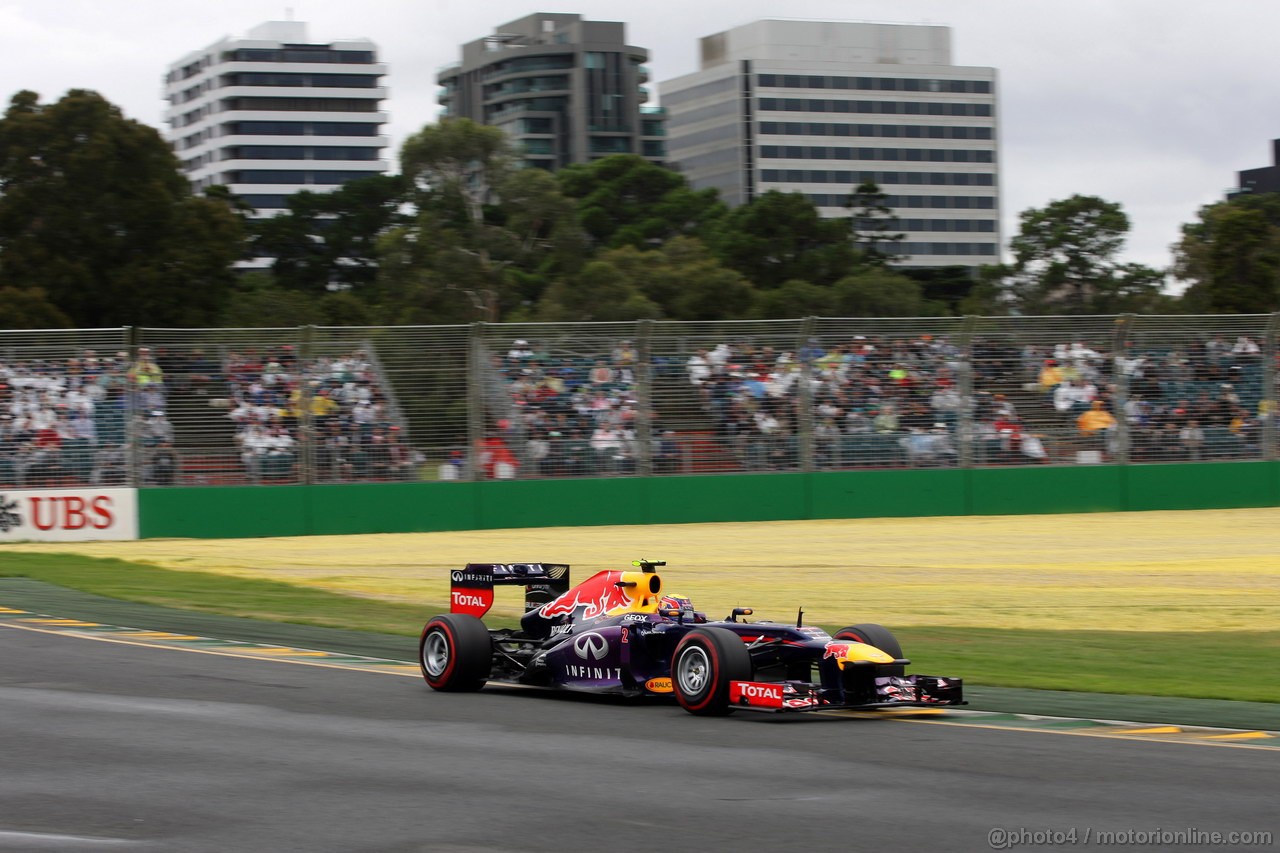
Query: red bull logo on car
column 839, row 651
column 597, row 596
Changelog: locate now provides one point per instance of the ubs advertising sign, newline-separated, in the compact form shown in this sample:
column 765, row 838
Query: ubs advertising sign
column 68, row 515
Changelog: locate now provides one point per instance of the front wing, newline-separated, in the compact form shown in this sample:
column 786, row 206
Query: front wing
column 898, row 691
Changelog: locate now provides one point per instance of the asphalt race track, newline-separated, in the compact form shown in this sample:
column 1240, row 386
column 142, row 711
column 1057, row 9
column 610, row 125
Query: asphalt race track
column 105, row 747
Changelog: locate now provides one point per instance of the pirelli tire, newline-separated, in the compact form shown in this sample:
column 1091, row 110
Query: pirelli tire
column 455, row 653
column 704, row 662
column 880, row 637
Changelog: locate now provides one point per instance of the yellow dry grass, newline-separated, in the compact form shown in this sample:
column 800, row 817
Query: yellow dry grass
column 1213, row 570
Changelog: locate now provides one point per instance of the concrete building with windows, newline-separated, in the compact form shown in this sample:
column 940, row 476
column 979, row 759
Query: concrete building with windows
column 1264, row 179
column 818, row 107
column 563, row 89
column 273, row 113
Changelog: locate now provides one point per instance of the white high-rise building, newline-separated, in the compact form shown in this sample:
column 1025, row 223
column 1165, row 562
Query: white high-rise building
column 272, row 113
column 818, row 107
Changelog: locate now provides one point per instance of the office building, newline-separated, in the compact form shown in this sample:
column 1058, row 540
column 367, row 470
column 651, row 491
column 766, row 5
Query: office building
column 819, row 107
column 563, row 89
column 273, row 113
column 1264, row 179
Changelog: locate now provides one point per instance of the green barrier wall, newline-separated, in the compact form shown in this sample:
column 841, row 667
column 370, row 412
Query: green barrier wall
column 232, row 512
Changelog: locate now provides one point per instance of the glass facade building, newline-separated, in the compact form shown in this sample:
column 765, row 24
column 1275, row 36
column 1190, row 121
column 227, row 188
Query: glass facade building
column 818, row 107
column 563, row 89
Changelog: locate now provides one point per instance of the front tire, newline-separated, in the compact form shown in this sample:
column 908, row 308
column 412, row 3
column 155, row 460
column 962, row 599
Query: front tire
column 882, row 638
column 704, row 663
column 455, row 653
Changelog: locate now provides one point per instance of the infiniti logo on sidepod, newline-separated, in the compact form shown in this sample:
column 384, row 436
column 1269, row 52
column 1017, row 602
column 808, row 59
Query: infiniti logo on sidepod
column 591, row 646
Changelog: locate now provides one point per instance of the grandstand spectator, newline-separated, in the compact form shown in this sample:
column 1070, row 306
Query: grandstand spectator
column 202, row 373
column 826, row 443
column 254, row 443
column 144, row 374
column 1167, row 443
column 1244, row 430
column 110, row 466
column 8, row 452
column 1051, row 376
column 496, row 459
column 520, row 351
column 334, row 453
column 601, row 375
column 281, row 453
column 930, row 447
column 886, row 419
column 1096, row 427
column 1191, row 439
column 154, row 429
column 1072, row 398
column 454, row 467
column 609, row 447
column 161, row 467
column 1245, row 348
column 40, row 461
column 698, row 367
column 666, row 453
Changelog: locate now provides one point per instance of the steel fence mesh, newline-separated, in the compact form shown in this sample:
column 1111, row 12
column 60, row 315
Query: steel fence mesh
column 65, row 408
column 221, row 407
column 1197, row 387
column 158, row 407
column 1044, row 390
column 726, row 396
column 888, row 393
column 558, row 400
column 388, row 403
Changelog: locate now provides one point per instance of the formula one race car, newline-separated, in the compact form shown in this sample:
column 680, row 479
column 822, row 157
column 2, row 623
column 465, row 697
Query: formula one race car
column 617, row 632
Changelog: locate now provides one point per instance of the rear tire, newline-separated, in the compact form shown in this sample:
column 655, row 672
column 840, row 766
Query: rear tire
column 455, row 653
column 882, row 638
column 704, row 663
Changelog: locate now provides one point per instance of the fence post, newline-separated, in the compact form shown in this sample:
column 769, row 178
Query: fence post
column 964, row 424
column 133, row 447
column 644, row 397
column 1270, row 350
column 1120, row 378
column 804, row 417
column 306, row 421
column 475, row 400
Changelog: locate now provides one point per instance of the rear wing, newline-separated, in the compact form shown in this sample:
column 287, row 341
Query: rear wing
column 471, row 589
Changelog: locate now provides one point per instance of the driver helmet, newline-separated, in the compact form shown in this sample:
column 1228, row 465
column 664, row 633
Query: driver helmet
column 681, row 603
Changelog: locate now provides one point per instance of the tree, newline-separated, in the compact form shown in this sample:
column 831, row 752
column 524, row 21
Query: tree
column 330, row 239
column 1231, row 256
column 486, row 235
column 794, row 299
column 28, row 308
column 95, row 213
column 256, row 302
column 1065, row 260
column 780, row 237
column 625, row 200
column 873, row 225
column 600, row 292
column 882, row 293
column 681, row 280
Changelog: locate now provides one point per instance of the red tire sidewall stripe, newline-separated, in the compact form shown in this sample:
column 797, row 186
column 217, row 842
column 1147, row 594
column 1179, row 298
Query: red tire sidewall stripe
column 453, row 657
column 712, row 676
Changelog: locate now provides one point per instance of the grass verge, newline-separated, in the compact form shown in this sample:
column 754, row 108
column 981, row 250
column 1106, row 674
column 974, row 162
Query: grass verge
column 1228, row 665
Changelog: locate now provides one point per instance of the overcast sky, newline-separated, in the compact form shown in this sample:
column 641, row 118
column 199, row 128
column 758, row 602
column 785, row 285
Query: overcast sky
column 1155, row 104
